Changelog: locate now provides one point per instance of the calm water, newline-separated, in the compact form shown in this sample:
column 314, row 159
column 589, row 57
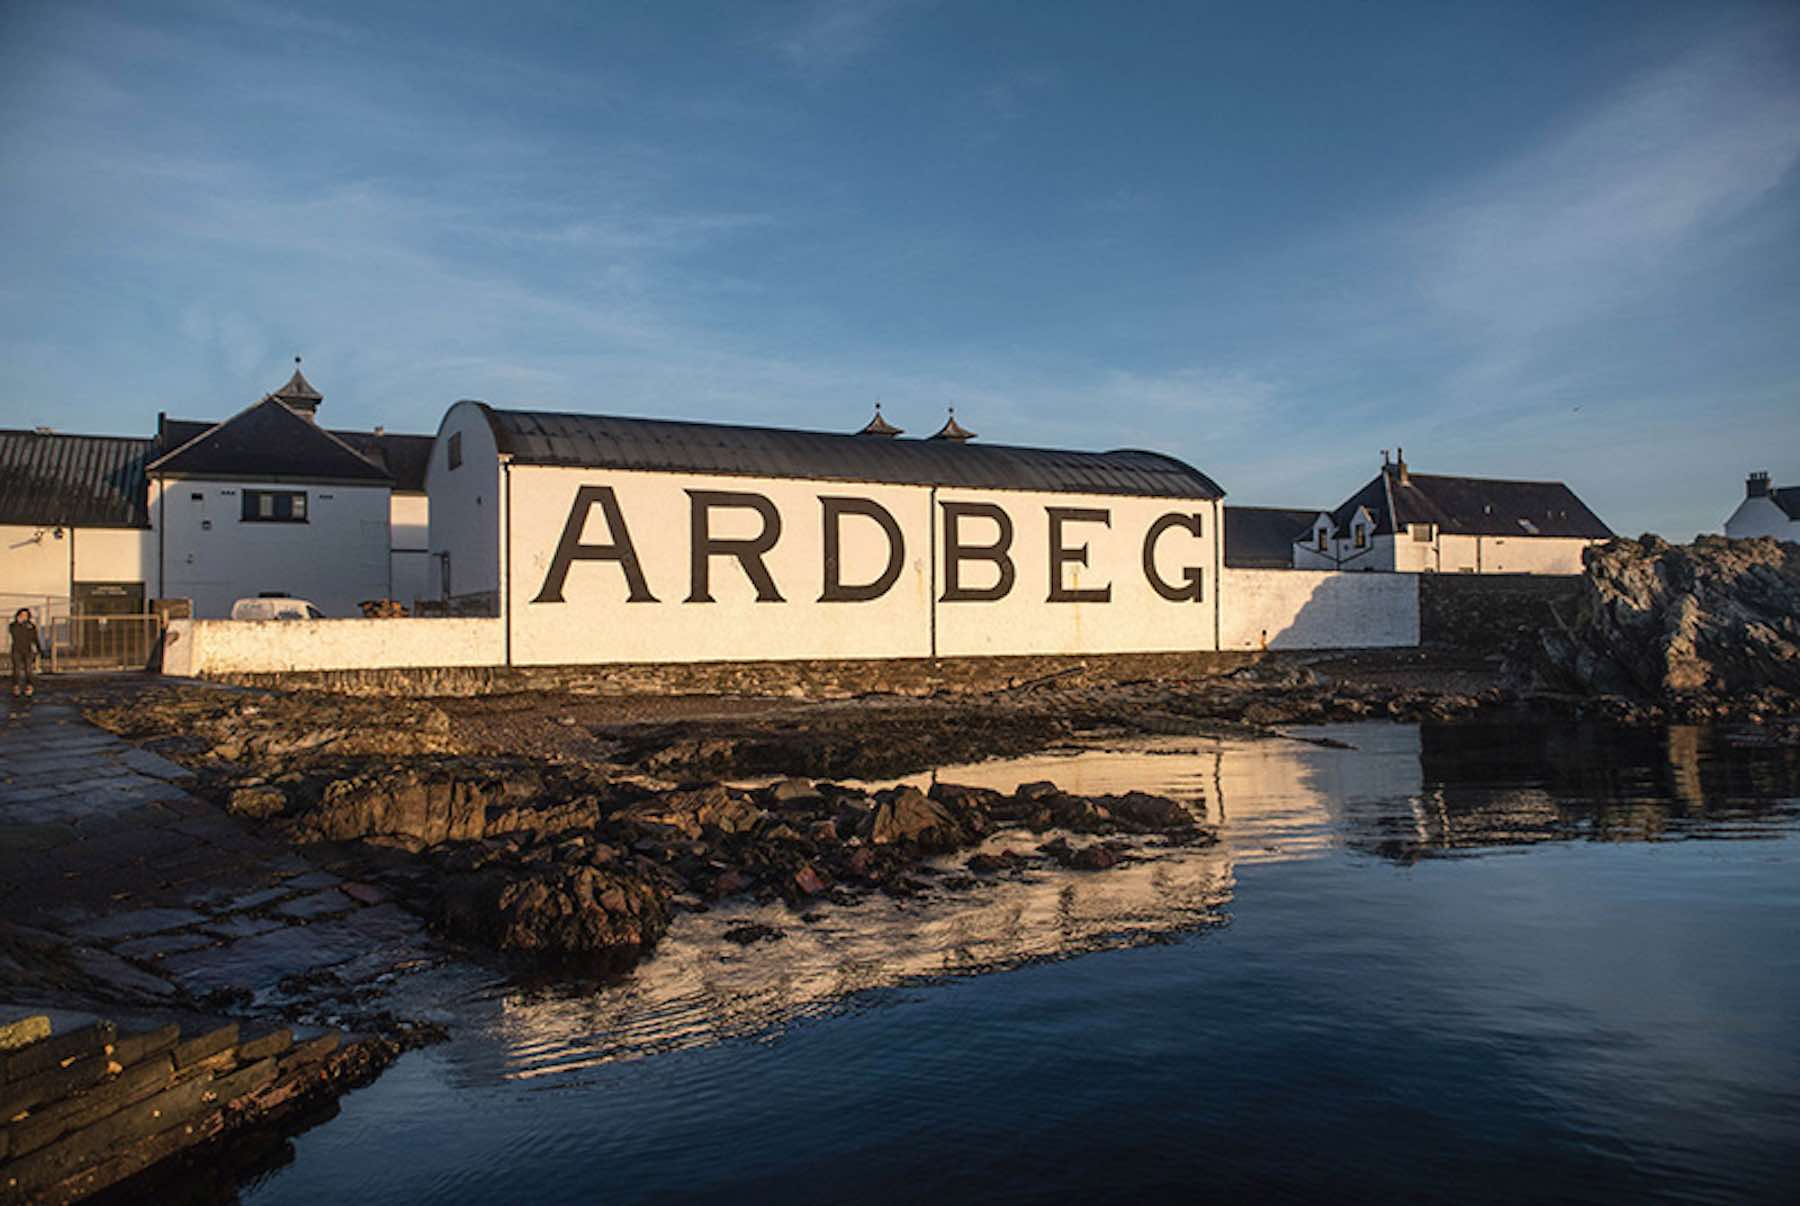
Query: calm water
column 1470, row 964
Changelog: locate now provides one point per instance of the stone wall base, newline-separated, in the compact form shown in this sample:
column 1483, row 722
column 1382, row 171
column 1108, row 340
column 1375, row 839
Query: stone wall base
column 796, row 680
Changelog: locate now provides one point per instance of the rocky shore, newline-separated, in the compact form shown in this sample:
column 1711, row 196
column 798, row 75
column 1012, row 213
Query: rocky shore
column 585, row 862
column 1677, row 633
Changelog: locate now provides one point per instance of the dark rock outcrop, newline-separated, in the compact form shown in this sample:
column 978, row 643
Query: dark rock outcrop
column 1714, row 625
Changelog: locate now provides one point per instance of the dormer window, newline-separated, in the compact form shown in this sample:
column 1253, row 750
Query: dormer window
column 1421, row 532
column 1324, row 540
column 1362, row 536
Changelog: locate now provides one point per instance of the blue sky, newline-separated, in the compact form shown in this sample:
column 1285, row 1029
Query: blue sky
column 1522, row 240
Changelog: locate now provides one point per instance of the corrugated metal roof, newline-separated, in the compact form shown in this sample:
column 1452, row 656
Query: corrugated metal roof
column 1475, row 506
column 74, row 480
column 1264, row 537
column 609, row 442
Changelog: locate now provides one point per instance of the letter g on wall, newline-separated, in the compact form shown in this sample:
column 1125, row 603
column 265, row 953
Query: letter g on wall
column 1192, row 588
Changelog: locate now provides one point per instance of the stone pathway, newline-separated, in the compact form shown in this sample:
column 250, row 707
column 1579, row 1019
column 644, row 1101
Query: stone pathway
column 117, row 885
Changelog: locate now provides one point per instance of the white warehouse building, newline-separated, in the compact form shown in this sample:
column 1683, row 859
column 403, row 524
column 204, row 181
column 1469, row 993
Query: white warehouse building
column 605, row 539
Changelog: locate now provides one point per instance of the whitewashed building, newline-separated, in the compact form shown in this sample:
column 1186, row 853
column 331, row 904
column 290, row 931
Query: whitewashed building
column 1409, row 522
column 1766, row 511
column 602, row 539
column 266, row 501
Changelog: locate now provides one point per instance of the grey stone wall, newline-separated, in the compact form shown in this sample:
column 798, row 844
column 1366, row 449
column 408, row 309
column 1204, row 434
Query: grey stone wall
column 796, row 679
column 1483, row 613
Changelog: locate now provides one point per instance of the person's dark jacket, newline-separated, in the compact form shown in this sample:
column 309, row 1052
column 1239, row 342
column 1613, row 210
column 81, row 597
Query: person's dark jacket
column 24, row 636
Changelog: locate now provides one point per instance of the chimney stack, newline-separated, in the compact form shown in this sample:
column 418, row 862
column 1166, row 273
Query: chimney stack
column 1399, row 466
column 1757, row 484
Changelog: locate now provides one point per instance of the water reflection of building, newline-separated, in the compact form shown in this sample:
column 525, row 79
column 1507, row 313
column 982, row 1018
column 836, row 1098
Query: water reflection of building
column 1400, row 792
column 1270, row 800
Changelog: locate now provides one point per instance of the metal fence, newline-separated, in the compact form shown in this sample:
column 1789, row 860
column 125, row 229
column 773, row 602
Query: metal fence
column 85, row 642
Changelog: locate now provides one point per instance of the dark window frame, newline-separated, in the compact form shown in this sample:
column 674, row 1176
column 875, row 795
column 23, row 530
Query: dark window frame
column 282, row 508
column 454, row 451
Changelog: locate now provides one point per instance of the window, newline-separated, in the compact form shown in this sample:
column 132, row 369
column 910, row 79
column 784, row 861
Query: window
column 1421, row 532
column 1322, row 540
column 455, row 450
column 1362, row 536
column 274, row 506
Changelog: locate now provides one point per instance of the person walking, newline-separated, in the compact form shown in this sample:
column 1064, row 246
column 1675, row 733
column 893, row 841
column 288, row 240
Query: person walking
column 24, row 641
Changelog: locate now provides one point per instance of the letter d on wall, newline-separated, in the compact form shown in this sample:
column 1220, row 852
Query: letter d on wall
column 835, row 591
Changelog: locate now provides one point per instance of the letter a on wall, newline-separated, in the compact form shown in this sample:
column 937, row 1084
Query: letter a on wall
column 569, row 549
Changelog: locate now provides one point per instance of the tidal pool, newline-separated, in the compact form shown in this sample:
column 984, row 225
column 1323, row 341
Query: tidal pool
column 1470, row 963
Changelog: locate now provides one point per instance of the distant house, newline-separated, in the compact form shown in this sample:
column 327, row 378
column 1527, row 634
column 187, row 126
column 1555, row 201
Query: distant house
column 1766, row 511
column 1264, row 537
column 269, row 501
column 1409, row 522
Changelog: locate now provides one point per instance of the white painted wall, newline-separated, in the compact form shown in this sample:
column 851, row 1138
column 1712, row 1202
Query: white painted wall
column 409, row 521
column 409, row 561
column 1312, row 609
column 466, row 502
column 1134, row 620
column 336, row 559
column 34, row 564
column 1761, row 517
column 116, row 555
column 38, row 569
column 1450, row 554
column 595, row 622
column 209, row 647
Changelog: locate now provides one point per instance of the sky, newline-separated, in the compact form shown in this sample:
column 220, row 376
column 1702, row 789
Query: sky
column 1528, row 240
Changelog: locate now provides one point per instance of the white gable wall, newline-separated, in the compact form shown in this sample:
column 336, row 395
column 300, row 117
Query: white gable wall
column 466, row 506
column 336, row 559
column 1761, row 517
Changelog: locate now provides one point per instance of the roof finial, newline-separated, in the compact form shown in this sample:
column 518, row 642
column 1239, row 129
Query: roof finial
column 952, row 430
column 879, row 426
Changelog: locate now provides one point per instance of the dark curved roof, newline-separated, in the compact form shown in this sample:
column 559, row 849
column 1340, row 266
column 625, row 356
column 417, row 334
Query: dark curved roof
column 604, row 441
column 74, row 480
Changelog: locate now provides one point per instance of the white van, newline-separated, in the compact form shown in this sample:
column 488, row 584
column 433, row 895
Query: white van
column 284, row 607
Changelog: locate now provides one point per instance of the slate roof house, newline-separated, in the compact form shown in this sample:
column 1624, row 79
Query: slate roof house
column 265, row 501
column 1409, row 522
column 1766, row 510
column 270, row 501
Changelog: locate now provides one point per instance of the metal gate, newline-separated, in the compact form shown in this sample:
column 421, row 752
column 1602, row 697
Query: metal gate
column 86, row 642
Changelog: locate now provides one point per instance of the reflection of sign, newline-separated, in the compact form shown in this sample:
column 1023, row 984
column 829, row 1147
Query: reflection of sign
column 1071, row 532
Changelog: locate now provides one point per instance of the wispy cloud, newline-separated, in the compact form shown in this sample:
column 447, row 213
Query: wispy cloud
column 1621, row 198
column 831, row 34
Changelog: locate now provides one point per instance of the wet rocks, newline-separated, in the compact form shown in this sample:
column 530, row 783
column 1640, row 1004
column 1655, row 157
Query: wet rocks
column 558, row 913
column 906, row 814
column 260, row 803
column 429, row 808
column 1707, row 628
